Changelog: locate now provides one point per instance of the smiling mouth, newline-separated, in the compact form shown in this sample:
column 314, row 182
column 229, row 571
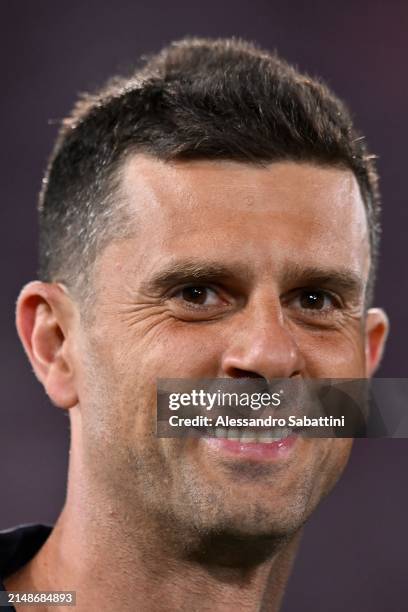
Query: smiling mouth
column 248, row 447
column 254, row 445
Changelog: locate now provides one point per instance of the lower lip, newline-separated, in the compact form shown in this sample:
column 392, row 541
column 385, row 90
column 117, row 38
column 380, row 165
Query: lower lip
column 254, row 451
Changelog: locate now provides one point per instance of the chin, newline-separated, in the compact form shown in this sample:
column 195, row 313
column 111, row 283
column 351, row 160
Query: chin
column 244, row 544
column 264, row 519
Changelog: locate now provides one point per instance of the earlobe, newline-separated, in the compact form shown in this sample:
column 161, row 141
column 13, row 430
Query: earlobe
column 377, row 328
column 43, row 322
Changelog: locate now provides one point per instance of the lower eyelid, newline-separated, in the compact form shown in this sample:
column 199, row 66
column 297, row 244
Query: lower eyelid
column 315, row 312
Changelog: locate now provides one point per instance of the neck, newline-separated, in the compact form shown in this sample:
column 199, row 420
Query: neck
column 114, row 560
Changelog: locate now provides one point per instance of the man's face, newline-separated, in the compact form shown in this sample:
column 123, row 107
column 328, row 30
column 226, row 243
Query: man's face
column 232, row 270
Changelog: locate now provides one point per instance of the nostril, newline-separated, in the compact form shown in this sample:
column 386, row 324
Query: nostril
column 238, row 373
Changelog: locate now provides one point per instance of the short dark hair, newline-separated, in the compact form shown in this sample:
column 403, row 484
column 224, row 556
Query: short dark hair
column 197, row 99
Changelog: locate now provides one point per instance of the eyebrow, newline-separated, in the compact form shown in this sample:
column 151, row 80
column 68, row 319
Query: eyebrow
column 340, row 278
column 192, row 270
column 186, row 271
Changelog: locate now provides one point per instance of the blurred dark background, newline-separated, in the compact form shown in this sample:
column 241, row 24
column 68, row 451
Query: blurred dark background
column 354, row 552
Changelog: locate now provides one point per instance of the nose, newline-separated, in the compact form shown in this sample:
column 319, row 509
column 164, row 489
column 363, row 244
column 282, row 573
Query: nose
column 262, row 345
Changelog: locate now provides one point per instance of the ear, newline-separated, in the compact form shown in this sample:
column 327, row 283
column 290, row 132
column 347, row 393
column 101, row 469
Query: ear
column 377, row 328
column 45, row 324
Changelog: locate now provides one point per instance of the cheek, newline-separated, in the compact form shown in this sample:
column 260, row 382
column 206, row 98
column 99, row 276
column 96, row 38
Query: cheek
column 120, row 376
column 336, row 457
column 181, row 351
column 333, row 354
column 331, row 457
column 343, row 450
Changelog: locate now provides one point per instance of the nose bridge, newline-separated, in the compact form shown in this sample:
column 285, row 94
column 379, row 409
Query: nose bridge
column 262, row 344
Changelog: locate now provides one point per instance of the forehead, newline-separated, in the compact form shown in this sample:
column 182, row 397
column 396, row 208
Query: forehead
column 269, row 214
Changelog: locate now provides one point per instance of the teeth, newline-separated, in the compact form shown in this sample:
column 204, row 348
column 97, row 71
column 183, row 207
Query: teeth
column 234, row 434
column 279, row 433
column 221, row 432
column 274, row 435
column 265, row 437
column 247, row 435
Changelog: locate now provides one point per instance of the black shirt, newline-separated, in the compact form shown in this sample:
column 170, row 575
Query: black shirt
column 17, row 547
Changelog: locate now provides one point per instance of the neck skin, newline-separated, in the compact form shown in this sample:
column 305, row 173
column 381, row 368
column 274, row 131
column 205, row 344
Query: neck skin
column 113, row 561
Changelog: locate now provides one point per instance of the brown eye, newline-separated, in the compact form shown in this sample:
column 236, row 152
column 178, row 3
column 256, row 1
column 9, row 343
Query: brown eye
column 195, row 295
column 199, row 302
column 199, row 295
column 316, row 300
column 312, row 299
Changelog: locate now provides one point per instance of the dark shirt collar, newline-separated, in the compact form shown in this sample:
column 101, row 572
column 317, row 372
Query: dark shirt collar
column 17, row 546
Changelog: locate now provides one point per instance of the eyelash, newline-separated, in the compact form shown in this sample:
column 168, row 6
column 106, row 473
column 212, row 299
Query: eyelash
column 190, row 305
column 335, row 300
column 337, row 303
